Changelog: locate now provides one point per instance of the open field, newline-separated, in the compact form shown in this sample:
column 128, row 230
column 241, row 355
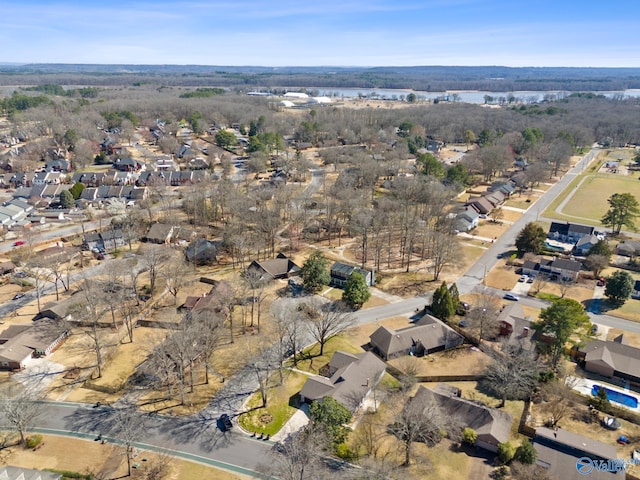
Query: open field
column 588, row 193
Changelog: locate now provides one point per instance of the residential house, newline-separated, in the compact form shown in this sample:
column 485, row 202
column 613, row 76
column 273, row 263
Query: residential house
column 506, row 188
column 496, row 197
column 108, row 240
column 216, row 300
column 159, row 233
column 198, row 163
column 628, row 248
column 585, row 243
column 569, row 232
column 561, row 268
column 559, row 451
column 515, row 326
column 427, row 335
column 340, row 273
column 20, row 343
column 493, row 426
column 349, row 379
column 613, row 359
column 467, row 220
column 482, row 205
column 202, row 251
column 127, row 165
column 57, row 165
column 279, row 267
column 18, row 473
column 7, row 267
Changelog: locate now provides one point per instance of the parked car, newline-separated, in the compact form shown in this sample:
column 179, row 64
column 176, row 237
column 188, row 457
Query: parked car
column 511, row 296
column 18, row 296
column 20, row 275
column 600, row 282
column 594, row 329
column 224, row 422
column 530, row 280
column 463, row 323
column 523, row 278
column 18, row 243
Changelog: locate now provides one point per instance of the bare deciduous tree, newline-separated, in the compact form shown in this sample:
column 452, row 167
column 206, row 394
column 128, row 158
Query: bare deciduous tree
column 19, row 408
column 325, row 319
column 512, row 376
column 153, row 259
column 420, row 419
column 300, row 457
column 129, row 427
column 176, row 274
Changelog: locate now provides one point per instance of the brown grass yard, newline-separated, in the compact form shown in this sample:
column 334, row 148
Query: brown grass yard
column 501, row 276
column 489, row 229
column 61, row 453
column 633, row 339
column 577, row 291
column 460, row 361
column 575, row 422
column 359, row 336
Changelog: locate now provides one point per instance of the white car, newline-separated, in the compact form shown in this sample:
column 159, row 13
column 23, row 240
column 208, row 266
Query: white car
column 511, row 296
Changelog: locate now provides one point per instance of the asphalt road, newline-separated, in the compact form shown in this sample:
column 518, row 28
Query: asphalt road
column 193, row 438
column 476, row 273
column 197, row 437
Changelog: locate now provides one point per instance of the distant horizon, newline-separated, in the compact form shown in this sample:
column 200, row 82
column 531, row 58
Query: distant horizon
column 334, row 33
column 358, row 67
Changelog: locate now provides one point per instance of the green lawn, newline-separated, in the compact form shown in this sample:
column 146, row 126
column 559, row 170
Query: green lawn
column 589, row 201
column 271, row 419
column 314, row 361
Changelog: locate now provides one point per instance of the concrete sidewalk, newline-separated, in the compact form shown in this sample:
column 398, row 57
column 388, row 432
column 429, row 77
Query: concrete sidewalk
column 295, row 423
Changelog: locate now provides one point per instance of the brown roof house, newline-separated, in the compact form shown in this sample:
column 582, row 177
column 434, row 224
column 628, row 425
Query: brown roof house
column 492, row 426
column 20, row 343
column 349, row 380
column 482, row 205
column 217, row 299
column 612, row 359
column 427, row 335
column 515, row 326
column 571, row 456
column 279, row 267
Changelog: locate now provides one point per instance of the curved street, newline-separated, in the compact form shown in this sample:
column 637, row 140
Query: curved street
column 197, row 437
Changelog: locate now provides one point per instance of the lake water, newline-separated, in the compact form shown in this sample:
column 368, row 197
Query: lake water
column 461, row 96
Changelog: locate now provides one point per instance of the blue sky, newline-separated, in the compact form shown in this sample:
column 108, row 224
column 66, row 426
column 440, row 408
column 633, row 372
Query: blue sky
column 323, row 33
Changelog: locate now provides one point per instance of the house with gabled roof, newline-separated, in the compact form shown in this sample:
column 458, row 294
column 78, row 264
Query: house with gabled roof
column 515, row 326
column 340, row 273
column 569, row 232
column 427, row 335
column 279, row 267
column 493, row 426
column 560, row 452
column 20, row 343
column 563, row 268
column 349, row 379
column 217, row 299
column 467, row 219
column 9, row 472
column 482, row 205
column 613, row 359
